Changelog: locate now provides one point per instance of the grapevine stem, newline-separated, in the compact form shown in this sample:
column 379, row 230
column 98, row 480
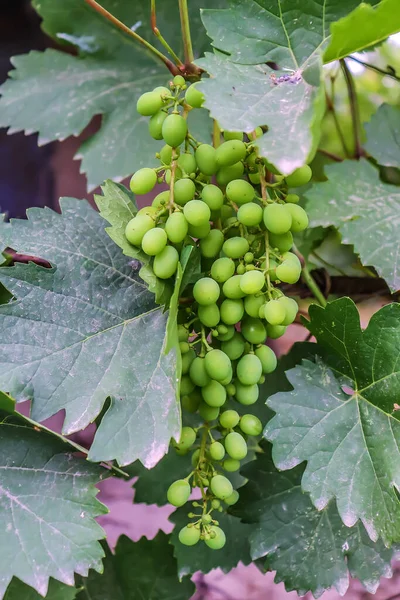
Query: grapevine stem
column 158, row 35
column 334, row 157
column 309, row 280
column 216, row 134
column 105, row 13
column 187, row 40
column 331, row 108
column 354, row 108
column 389, row 72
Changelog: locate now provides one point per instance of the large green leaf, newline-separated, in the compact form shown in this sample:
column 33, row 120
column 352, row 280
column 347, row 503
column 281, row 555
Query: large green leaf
column 47, row 508
column 309, row 550
column 144, row 570
column 65, row 91
column 57, row 591
column 85, row 330
column 341, row 417
column 366, row 212
column 365, row 26
column 383, row 136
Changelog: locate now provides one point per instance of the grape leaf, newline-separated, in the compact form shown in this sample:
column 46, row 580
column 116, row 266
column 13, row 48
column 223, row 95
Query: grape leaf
column 85, row 330
column 366, row 212
column 117, row 206
column 47, row 509
column 341, row 417
column 383, row 136
column 309, row 550
column 107, row 77
column 200, row 557
column 57, row 591
column 145, row 569
column 365, row 26
column 244, row 90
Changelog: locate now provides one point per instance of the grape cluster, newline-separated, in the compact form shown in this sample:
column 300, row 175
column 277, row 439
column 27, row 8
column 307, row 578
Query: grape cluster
column 239, row 211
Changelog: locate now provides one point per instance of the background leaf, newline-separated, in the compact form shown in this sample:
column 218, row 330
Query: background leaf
column 383, row 136
column 98, row 336
column 365, row 210
column 341, row 417
column 57, row 591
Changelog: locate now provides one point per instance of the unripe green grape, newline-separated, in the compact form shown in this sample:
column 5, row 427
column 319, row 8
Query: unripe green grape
column 255, row 178
column 252, row 305
column 143, row 181
column 251, row 425
column 227, row 174
column 299, row 217
column 277, row 219
column 241, row 270
column 208, row 413
column 288, row 272
column 176, row 227
column 209, row 315
column 231, row 465
column 190, row 402
column 218, row 539
column 149, row 103
column 212, row 196
column 249, row 257
column 235, row 247
column 217, row 451
column 253, row 331
column 247, row 394
column 187, row 163
column 184, row 347
column 161, row 199
column 194, row 460
column 222, row 269
column 291, row 309
column 274, row 312
column 267, row 358
column 178, row 492
column 211, row 245
column 229, row 419
column 218, row 364
column 206, row 291
column 154, row 241
column 174, row 130
column 206, row 159
column 252, row 282
column 232, row 499
column 240, row 191
column 299, row 177
column 183, row 333
column 261, row 380
column 137, row 228
column 184, row 190
column 221, row 487
column 166, row 262
column 232, row 289
column 233, row 135
column 249, row 369
column 196, row 212
column 292, row 257
column 227, row 212
column 178, row 80
column 231, row 389
column 163, row 91
column 275, row 331
column 282, row 241
column 214, row 393
column 187, row 439
column 156, row 123
column 230, row 153
column 226, row 332
column 187, row 360
column 198, row 373
column 168, row 176
column 236, row 446
column 189, row 536
column 250, row 214
column 199, row 232
column 259, row 132
column 292, row 198
column 194, row 97
column 166, row 154
column 187, row 386
column 215, row 504
column 231, row 311
column 147, row 210
column 234, row 347
column 226, row 381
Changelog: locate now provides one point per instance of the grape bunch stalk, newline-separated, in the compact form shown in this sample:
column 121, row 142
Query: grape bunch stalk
column 237, row 209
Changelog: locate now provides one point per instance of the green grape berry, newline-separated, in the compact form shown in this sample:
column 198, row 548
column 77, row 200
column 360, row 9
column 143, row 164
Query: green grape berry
column 166, row 262
column 226, row 332
column 161, row 199
column 234, row 347
column 267, row 358
column 292, row 198
column 252, row 282
column 156, row 123
column 143, row 181
column 212, row 196
column 206, row 159
column 207, row 412
column 217, row 451
column 299, row 217
column 214, row 393
column 291, row 309
column 229, row 419
column 199, row 231
column 222, row 269
column 275, row 331
column 197, row 212
column 194, row 97
column 230, row 153
column 178, row 492
column 232, row 289
column 198, row 373
column 189, row 536
column 166, row 154
column 187, row 439
column 231, row 464
column 252, row 305
column 187, row 163
column 209, row 315
column 249, row 369
column 299, row 177
column 211, row 245
column 233, row 135
column 240, row 191
column 174, row 130
column 137, row 228
column 221, row 487
column 218, row 364
column 274, row 312
column 184, row 190
column 217, row 539
column 251, row 425
column 149, row 103
column 277, row 219
column 187, row 360
column 176, row 227
column 227, row 174
column 282, row 241
column 250, row 214
column 206, row 291
column 253, row 331
column 236, row 446
column 232, row 499
column 235, row 247
column 231, row 311
column 247, row 394
column 288, row 271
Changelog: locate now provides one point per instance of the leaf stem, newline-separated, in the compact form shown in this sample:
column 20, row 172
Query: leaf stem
column 309, row 280
column 158, row 35
column 354, row 108
column 389, row 72
column 187, row 39
column 110, row 17
column 331, row 108
column 334, row 157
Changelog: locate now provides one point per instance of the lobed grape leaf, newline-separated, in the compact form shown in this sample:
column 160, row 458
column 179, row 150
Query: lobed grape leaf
column 57, row 591
column 145, row 569
column 85, row 330
column 256, row 37
column 200, row 557
column 365, row 210
column 47, row 509
column 383, row 136
column 341, row 417
column 364, row 27
column 106, row 78
column 310, row 550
